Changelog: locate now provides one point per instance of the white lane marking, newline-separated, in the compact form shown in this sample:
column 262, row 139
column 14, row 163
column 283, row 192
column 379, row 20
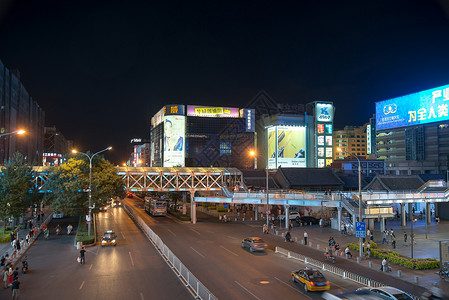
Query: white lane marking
column 195, row 231
column 281, row 281
column 90, row 267
column 141, row 296
column 198, row 252
column 231, row 237
column 171, row 232
column 249, row 292
column 122, row 235
column 229, row 251
column 132, row 261
column 81, row 285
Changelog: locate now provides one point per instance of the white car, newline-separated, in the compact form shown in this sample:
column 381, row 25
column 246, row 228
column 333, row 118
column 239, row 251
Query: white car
column 388, row 292
column 58, row 215
column 293, row 215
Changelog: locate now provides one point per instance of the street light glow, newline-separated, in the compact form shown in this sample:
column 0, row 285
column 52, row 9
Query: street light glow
column 21, row 131
column 252, row 153
column 74, row 151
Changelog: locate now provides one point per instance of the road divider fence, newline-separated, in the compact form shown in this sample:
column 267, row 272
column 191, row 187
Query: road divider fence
column 190, row 281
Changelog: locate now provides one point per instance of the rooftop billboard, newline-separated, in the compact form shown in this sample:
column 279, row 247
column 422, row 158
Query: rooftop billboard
column 214, row 112
column 419, row 108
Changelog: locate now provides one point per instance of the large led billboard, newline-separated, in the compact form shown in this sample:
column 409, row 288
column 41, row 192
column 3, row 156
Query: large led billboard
column 419, row 108
column 174, row 141
column 287, row 147
column 214, row 112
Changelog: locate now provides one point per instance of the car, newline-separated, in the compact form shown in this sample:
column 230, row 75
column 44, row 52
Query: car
column 388, row 292
column 130, row 195
column 306, row 220
column 312, row 279
column 58, row 215
column 254, row 244
column 109, row 238
column 104, row 208
column 293, row 215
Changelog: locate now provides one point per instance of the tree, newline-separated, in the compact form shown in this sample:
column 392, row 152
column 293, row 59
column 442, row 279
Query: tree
column 15, row 185
column 69, row 184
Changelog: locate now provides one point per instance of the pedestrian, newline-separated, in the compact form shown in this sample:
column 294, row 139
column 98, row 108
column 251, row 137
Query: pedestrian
column 70, row 227
column 290, row 226
column 15, row 273
column 305, row 237
column 392, row 234
column 275, row 229
column 348, row 253
column 18, row 247
column 15, row 288
column 405, row 238
column 10, row 278
column 437, row 220
column 321, row 223
column 288, row 236
column 393, row 243
column 363, row 248
column 82, row 255
column 6, row 278
column 368, row 234
column 384, row 265
column 384, row 237
column 264, row 228
column 342, row 228
column 371, row 236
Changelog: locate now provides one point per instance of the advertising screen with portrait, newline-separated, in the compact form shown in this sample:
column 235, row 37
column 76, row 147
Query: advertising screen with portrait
column 174, row 141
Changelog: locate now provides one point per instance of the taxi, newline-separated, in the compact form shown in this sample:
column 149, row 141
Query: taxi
column 312, row 279
column 109, row 238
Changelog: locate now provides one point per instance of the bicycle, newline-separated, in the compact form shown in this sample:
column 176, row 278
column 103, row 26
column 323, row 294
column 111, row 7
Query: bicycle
column 444, row 273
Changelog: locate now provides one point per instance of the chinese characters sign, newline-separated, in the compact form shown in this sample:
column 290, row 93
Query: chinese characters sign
column 209, row 111
column 419, row 108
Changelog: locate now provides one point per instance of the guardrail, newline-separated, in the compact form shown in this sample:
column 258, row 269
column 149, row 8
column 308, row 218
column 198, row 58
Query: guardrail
column 190, row 281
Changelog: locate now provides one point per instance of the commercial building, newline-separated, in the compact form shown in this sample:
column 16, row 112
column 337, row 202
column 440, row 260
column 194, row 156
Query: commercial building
column 19, row 111
column 141, row 153
column 412, row 132
column 296, row 137
column 202, row 136
column 55, row 147
column 352, row 140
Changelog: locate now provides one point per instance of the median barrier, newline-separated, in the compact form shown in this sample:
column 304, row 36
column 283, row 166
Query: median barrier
column 191, row 282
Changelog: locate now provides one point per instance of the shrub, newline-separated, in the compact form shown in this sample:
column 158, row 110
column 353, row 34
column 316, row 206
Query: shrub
column 222, row 209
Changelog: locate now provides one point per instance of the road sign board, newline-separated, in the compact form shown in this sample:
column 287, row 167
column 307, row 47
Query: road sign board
column 360, row 229
column 267, row 212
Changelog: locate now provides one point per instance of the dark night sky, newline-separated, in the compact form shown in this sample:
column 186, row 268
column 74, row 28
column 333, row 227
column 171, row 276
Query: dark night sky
column 101, row 69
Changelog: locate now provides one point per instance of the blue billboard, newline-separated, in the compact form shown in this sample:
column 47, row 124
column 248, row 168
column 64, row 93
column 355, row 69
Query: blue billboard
column 419, row 108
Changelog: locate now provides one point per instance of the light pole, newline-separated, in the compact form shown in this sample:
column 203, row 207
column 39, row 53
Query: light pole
column 252, row 153
column 21, row 131
column 89, row 222
column 360, row 195
column 412, row 238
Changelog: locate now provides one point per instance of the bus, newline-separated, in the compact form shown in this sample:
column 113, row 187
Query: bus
column 155, row 207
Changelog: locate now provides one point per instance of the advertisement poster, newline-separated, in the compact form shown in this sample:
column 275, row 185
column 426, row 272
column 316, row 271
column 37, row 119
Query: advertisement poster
column 321, row 163
column 271, row 147
column 291, row 146
column 329, row 152
column 329, row 140
column 320, row 151
column 174, row 141
column 320, row 140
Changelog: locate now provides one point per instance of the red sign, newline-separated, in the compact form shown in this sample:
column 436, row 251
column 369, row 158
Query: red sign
column 268, row 212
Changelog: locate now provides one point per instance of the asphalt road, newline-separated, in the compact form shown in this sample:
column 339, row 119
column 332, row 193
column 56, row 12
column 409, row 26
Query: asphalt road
column 131, row 270
column 213, row 252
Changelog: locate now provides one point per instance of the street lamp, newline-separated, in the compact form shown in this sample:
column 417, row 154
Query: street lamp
column 90, row 182
column 360, row 195
column 252, row 153
column 20, row 131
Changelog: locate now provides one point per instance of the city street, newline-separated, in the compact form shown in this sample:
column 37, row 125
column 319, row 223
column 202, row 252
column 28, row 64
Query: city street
column 131, row 270
column 212, row 251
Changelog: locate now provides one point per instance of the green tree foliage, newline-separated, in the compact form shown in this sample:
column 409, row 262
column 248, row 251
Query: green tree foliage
column 15, row 185
column 69, row 184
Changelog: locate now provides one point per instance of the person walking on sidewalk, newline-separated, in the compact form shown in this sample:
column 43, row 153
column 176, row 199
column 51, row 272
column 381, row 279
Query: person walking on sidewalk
column 15, row 288
column 348, row 253
column 384, row 237
column 69, row 229
column 393, row 243
column 405, row 238
column 305, row 237
column 392, row 234
column 82, row 255
column 264, row 228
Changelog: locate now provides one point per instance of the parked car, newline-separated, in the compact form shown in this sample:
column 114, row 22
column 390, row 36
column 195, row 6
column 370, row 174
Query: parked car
column 306, row 220
column 58, row 215
column 293, row 215
column 312, row 279
column 388, row 292
column 254, row 244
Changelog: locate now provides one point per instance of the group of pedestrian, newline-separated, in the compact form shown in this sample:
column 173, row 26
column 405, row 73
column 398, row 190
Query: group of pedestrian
column 388, row 235
column 10, row 275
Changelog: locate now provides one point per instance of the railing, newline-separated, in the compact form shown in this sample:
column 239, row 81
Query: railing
column 190, row 281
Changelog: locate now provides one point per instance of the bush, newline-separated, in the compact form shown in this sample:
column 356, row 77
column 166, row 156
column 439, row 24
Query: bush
column 222, row 209
column 178, row 215
column 82, row 234
column 396, row 258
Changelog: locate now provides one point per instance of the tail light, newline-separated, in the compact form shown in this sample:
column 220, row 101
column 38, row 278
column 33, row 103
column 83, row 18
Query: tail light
column 266, row 245
column 327, row 282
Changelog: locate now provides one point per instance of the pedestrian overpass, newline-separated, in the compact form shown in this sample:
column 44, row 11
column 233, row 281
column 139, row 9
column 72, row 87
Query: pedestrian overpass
column 214, row 185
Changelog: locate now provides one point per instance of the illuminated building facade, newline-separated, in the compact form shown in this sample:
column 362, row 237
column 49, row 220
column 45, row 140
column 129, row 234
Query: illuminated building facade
column 55, row 146
column 412, row 132
column 352, row 140
column 202, row 136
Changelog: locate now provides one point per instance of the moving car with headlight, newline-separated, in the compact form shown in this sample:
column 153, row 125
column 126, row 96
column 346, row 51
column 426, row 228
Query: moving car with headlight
column 312, row 279
column 109, row 238
column 254, row 244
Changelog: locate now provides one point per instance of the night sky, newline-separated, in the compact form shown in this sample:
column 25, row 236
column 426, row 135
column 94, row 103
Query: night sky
column 101, row 69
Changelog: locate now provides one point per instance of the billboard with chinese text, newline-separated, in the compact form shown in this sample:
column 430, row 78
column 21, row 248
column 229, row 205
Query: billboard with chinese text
column 174, row 141
column 214, row 112
column 419, row 108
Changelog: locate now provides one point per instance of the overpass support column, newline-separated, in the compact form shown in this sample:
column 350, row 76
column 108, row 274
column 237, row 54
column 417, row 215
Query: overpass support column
column 287, row 219
column 382, row 224
column 428, row 214
column 403, row 215
column 184, row 203
column 371, row 224
column 255, row 211
column 339, row 218
column 410, row 207
column 436, row 209
column 192, row 208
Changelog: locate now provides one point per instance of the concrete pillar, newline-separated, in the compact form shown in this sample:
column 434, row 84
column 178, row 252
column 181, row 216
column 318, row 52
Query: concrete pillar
column 255, row 211
column 382, row 224
column 339, row 218
column 403, row 215
column 410, row 207
column 436, row 209
column 192, row 208
column 428, row 215
column 287, row 220
column 184, row 203
column 371, row 224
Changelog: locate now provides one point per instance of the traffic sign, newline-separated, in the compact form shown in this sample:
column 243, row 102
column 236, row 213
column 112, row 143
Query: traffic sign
column 267, row 212
column 360, row 229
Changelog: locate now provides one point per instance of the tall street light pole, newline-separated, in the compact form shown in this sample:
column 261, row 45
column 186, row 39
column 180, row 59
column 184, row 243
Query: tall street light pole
column 252, row 153
column 90, row 157
column 360, row 195
column 13, row 132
